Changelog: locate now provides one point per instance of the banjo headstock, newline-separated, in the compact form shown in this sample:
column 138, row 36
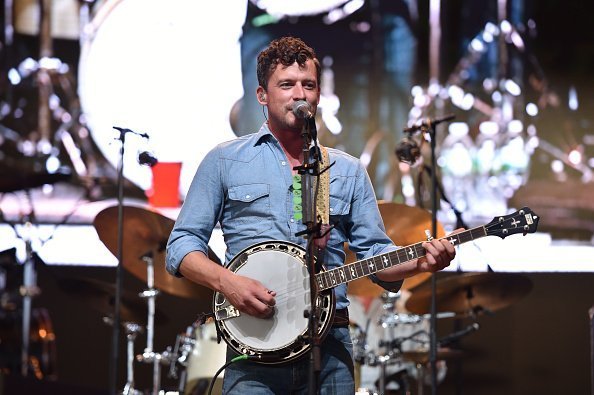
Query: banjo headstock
column 522, row 221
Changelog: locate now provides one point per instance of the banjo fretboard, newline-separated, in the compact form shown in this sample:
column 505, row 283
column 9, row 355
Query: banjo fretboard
column 352, row 271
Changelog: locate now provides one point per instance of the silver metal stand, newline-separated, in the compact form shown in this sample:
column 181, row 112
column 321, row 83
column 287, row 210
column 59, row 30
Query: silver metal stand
column 149, row 355
column 28, row 290
column 132, row 330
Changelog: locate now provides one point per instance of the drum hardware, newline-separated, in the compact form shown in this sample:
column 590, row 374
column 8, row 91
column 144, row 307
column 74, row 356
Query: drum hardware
column 99, row 296
column 472, row 294
column 28, row 290
column 455, row 336
column 147, row 231
column 132, row 329
column 32, row 352
column 145, row 237
column 150, row 294
column 149, row 355
column 185, row 345
column 392, row 319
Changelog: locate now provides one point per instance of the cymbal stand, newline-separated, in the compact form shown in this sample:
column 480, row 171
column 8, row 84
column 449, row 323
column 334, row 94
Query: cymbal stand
column 150, row 294
column 421, row 378
column 132, row 329
column 149, row 356
column 27, row 291
column 383, row 362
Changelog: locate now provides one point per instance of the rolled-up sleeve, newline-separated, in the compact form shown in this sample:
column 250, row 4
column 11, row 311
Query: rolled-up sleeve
column 368, row 234
column 199, row 214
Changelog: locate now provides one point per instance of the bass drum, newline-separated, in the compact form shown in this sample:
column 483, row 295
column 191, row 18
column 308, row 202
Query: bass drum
column 206, row 358
column 155, row 67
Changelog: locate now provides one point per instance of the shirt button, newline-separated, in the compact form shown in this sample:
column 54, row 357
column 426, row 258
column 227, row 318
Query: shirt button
column 247, row 196
column 331, row 209
column 292, row 220
column 283, row 163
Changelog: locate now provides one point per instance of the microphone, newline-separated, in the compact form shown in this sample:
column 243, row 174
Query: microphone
column 408, row 151
column 302, row 110
column 146, row 158
column 125, row 130
column 457, row 335
column 429, row 123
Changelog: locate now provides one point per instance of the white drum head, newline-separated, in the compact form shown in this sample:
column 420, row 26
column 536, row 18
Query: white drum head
column 165, row 68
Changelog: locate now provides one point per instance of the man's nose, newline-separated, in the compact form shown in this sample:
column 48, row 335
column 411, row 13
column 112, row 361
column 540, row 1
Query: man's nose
column 298, row 92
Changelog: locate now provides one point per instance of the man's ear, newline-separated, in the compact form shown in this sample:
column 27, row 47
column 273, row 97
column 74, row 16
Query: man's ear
column 261, row 95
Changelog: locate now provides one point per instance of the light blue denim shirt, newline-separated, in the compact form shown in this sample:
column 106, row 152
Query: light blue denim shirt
column 246, row 186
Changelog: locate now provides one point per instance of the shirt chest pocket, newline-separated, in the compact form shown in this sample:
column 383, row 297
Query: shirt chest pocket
column 249, row 202
column 339, row 212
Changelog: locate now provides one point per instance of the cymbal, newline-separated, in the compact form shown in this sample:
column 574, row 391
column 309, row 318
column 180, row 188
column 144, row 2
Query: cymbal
column 15, row 181
column 423, row 356
column 405, row 225
column 145, row 232
column 471, row 293
column 100, row 296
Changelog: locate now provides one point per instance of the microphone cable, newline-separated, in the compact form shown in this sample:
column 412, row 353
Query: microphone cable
column 242, row 357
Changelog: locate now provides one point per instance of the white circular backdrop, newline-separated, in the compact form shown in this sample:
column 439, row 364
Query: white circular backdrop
column 168, row 68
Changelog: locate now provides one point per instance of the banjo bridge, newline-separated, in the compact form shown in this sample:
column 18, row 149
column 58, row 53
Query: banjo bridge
column 227, row 312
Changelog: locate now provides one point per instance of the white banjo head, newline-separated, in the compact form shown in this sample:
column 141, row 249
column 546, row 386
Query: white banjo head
column 280, row 267
column 286, row 275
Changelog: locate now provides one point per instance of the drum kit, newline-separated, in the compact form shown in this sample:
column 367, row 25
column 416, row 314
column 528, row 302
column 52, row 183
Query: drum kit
column 144, row 239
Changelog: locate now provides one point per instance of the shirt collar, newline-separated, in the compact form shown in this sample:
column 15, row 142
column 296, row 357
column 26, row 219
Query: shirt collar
column 265, row 131
column 262, row 133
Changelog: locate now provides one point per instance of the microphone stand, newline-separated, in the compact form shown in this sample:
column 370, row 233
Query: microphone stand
column 433, row 320
column 309, row 171
column 428, row 128
column 120, row 254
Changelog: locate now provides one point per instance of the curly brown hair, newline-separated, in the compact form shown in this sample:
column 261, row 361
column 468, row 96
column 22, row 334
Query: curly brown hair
column 285, row 51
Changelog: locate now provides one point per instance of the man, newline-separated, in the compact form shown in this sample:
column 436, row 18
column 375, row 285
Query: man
column 246, row 185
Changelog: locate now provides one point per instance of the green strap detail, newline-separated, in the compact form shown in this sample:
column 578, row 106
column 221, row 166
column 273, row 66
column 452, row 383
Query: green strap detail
column 297, row 200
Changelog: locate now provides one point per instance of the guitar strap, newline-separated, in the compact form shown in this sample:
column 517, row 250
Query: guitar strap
column 322, row 201
column 323, row 194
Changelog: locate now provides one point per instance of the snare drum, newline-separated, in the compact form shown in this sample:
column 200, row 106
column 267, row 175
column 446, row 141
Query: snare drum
column 206, row 358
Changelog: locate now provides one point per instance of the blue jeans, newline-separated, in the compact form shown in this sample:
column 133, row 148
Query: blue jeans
column 336, row 376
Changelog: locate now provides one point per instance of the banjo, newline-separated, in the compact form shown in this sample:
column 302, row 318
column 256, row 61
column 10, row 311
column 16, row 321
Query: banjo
column 281, row 266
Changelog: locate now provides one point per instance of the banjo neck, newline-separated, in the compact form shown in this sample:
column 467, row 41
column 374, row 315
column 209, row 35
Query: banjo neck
column 522, row 221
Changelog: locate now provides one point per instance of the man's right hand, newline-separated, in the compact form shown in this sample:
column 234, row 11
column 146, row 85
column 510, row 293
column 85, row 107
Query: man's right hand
column 248, row 295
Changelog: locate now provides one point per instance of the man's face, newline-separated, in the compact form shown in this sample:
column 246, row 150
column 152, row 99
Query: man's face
column 287, row 85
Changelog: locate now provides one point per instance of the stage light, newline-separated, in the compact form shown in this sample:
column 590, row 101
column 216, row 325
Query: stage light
column 492, row 29
column 467, row 102
column 14, row 77
column 477, row 45
column 575, row 156
column 573, row 102
column 489, row 84
column 506, row 27
column 489, row 128
column 487, row 36
column 416, row 90
column 513, row 88
column 557, row 166
column 456, row 94
column 532, row 109
column 517, row 40
column 515, row 126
